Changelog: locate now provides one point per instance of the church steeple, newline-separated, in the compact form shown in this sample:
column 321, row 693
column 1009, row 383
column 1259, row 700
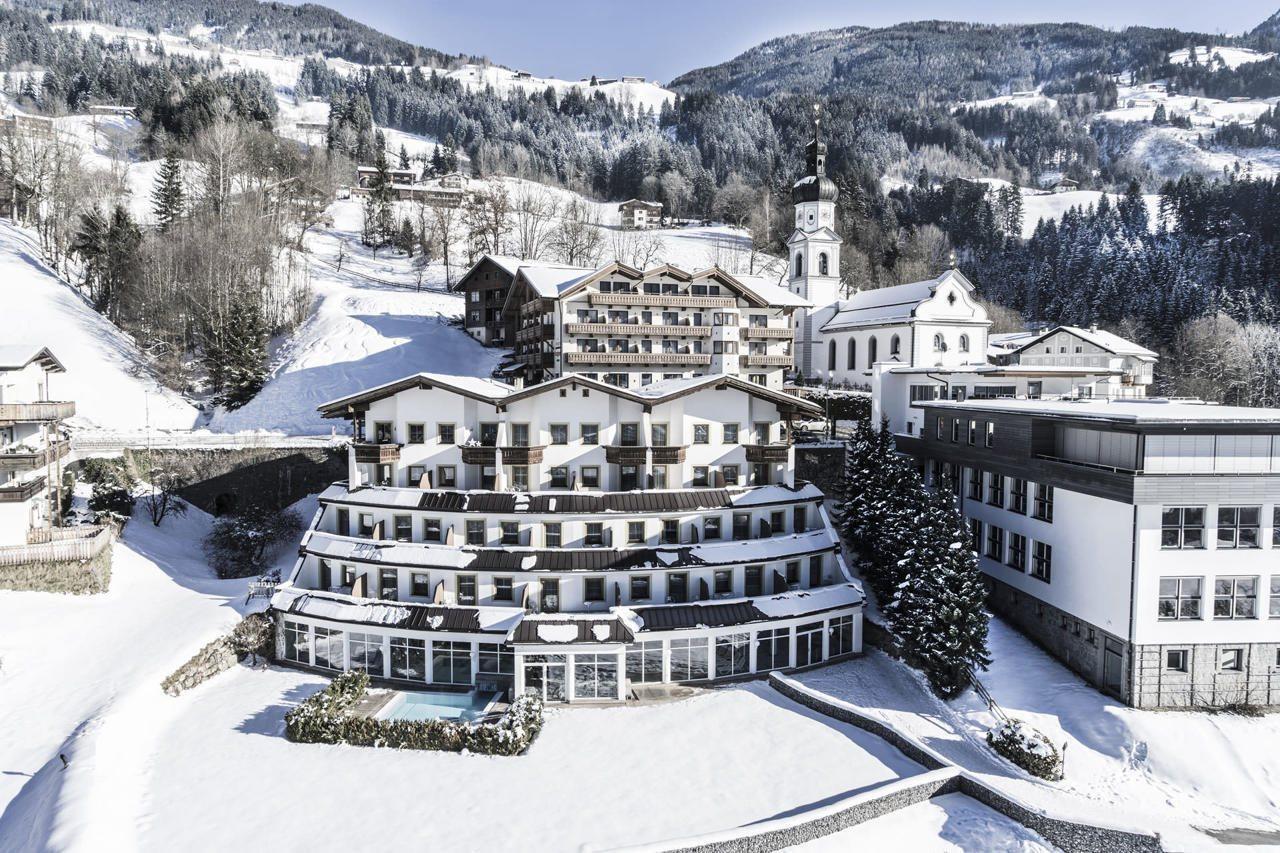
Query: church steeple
column 815, row 185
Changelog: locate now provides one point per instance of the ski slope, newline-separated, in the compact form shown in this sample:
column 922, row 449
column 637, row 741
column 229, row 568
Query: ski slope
column 106, row 375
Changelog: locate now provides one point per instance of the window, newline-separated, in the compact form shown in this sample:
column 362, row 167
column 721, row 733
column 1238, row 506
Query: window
column 420, row 585
column 559, row 433
column 741, row 526
column 1017, row 552
column 629, row 435
column 995, row 489
column 973, row 433
column 895, row 345
column 446, row 433
column 403, row 528
column 777, row 523
column 297, row 642
column 871, row 351
column 590, row 433
column 450, row 662
column 635, row 532
column 644, row 661
column 701, row 473
column 366, row 653
column 689, row 659
column 1042, row 561
column 722, row 582
column 590, row 476
column 1018, row 497
column 595, row 676
column 1275, row 602
column 446, row 477
column 975, row 535
column 366, row 524
column 1238, row 526
column 711, row 527
column 701, row 433
column 939, row 345
column 658, row 435
column 822, row 264
column 851, row 356
column 466, row 589
column 670, row 531
column 329, row 651
column 731, row 475
column 1043, row 508
column 559, row 476
column 773, row 649
column 1235, row 598
column 799, row 265
column 799, row 519
column 551, row 534
column 388, row 584
column 1231, row 660
column 733, row 655
column 964, row 343
column 730, row 433
column 497, row 659
column 640, row 588
column 989, row 440
column 417, row 434
column 995, row 542
column 475, row 531
column 1180, row 598
column 808, row 643
column 1182, row 527
column 416, row 473
column 975, row 484
column 593, row 589
column 955, row 430
column 942, row 423
column 489, row 435
column 384, row 432
column 753, row 584
column 815, row 570
column 408, row 659
column 1275, row 526
column 595, row 534
column 510, row 532
column 840, row 636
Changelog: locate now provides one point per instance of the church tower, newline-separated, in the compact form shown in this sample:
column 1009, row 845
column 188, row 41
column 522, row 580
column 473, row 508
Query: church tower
column 814, row 246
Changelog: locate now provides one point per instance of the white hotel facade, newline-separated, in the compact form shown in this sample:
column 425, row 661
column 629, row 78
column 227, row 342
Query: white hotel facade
column 573, row 537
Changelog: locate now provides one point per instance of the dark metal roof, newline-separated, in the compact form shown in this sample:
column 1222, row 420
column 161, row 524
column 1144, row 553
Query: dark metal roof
column 672, row 617
column 574, row 503
column 527, row 631
column 564, row 560
column 449, row 619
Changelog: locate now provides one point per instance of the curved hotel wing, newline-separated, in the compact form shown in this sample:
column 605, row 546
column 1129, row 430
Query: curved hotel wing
column 570, row 537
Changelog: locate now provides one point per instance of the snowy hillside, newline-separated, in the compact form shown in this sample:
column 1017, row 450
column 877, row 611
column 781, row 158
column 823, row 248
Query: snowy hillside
column 106, row 375
column 1229, row 57
column 642, row 94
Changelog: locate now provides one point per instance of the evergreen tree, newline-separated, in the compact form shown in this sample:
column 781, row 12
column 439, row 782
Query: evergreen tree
column 379, row 220
column 167, row 197
column 404, row 157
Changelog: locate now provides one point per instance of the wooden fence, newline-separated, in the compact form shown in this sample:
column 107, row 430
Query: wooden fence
column 59, row 545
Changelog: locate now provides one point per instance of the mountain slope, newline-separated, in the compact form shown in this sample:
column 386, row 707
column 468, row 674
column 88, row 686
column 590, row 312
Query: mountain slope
column 106, row 375
column 939, row 60
column 1270, row 28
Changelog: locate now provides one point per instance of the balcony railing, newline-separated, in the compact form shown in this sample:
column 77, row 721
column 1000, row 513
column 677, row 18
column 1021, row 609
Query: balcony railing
column 19, row 492
column 377, row 453
column 767, row 332
column 766, row 360
column 536, row 331
column 475, row 454
column 638, row 358
column 771, row 453
column 47, row 411
column 522, row 455
column 652, row 329
column 34, row 459
column 669, row 301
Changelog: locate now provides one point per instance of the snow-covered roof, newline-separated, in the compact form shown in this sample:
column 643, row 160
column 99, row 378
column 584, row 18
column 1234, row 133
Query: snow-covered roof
column 1108, row 341
column 770, row 291
column 801, row 601
column 18, row 356
column 471, row 386
column 1126, row 410
column 1003, row 343
column 889, row 305
column 550, row 281
column 996, row 370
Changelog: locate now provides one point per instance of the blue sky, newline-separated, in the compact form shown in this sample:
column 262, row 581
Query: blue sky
column 662, row 38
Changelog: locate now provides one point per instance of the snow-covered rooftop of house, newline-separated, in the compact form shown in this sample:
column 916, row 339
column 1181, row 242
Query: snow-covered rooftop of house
column 474, row 385
column 1127, row 410
column 1108, row 341
column 18, row 356
column 549, row 280
column 771, row 291
column 1003, row 343
column 1008, row 370
column 895, row 304
column 801, row 601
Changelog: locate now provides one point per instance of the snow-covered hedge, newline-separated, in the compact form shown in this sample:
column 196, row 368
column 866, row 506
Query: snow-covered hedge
column 326, row 717
column 1027, row 748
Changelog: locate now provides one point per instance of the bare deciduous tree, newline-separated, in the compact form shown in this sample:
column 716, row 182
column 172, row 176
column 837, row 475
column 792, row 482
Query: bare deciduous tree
column 578, row 240
column 533, row 217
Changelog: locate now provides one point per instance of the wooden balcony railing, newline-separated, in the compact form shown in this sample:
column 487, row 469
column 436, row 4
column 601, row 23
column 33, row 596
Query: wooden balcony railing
column 659, row 330
column 661, row 300
column 638, row 358
column 47, row 411
column 766, row 361
column 522, row 455
column 35, row 459
column 377, row 453
column 766, row 332
column 771, row 453
column 19, row 492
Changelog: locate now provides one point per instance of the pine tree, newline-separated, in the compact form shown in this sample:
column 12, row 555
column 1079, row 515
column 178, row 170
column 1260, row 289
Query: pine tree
column 404, row 157
column 167, row 196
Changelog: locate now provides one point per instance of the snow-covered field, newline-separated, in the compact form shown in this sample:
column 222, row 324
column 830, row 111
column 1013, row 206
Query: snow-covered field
column 106, row 374
column 1229, row 57
column 1174, row 773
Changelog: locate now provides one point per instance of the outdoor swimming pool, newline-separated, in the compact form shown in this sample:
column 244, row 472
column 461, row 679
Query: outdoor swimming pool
column 429, row 705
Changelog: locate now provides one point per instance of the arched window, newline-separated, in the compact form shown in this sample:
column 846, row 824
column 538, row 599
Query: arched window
column 871, row 351
column 853, row 353
column 799, row 265
column 938, row 344
column 964, row 343
column 895, row 346
column 822, row 264
column 831, row 356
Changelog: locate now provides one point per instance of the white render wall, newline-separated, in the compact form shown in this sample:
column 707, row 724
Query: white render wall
column 28, row 385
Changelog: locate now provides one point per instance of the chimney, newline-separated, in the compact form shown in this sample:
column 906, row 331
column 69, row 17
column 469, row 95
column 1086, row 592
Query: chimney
column 517, row 382
column 1093, row 327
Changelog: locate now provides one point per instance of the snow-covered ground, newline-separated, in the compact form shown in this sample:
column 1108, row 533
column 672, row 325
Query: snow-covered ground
column 106, row 374
column 1029, row 100
column 642, row 94
column 1229, row 57
column 1174, row 773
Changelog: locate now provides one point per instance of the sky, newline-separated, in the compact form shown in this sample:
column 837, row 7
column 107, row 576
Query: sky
column 660, row 39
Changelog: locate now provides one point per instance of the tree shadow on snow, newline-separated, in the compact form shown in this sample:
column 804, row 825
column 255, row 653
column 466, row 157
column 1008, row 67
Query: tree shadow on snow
column 269, row 721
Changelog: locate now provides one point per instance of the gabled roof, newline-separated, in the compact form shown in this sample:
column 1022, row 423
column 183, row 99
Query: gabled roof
column 1108, row 341
column 498, row 394
column 890, row 305
column 507, row 263
column 18, row 356
column 635, row 202
column 824, row 233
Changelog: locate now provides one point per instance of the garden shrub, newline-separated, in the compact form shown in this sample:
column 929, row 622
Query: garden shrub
column 1027, row 748
column 326, row 717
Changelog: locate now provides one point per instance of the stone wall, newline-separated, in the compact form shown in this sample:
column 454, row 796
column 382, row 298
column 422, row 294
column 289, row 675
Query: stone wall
column 215, row 657
column 1204, row 684
column 822, row 465
column 223, row 480
column 76, row 577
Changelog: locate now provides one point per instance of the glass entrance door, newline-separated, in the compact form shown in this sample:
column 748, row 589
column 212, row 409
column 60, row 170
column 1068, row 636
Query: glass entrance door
column 545, row 675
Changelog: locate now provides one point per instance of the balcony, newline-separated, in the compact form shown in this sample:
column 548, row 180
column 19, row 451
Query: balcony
column 475, row 454
column 767, row 333
column 522, row 455
column 768, row 453
column 668, row 455
column 538, row 331
column 24, row 412
column 379, row 454
column 657, row 330
column 766, row 361
column 625, row 455
column 638, row 358
column 19, row 492
column 660, row 300
column 34, row 459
